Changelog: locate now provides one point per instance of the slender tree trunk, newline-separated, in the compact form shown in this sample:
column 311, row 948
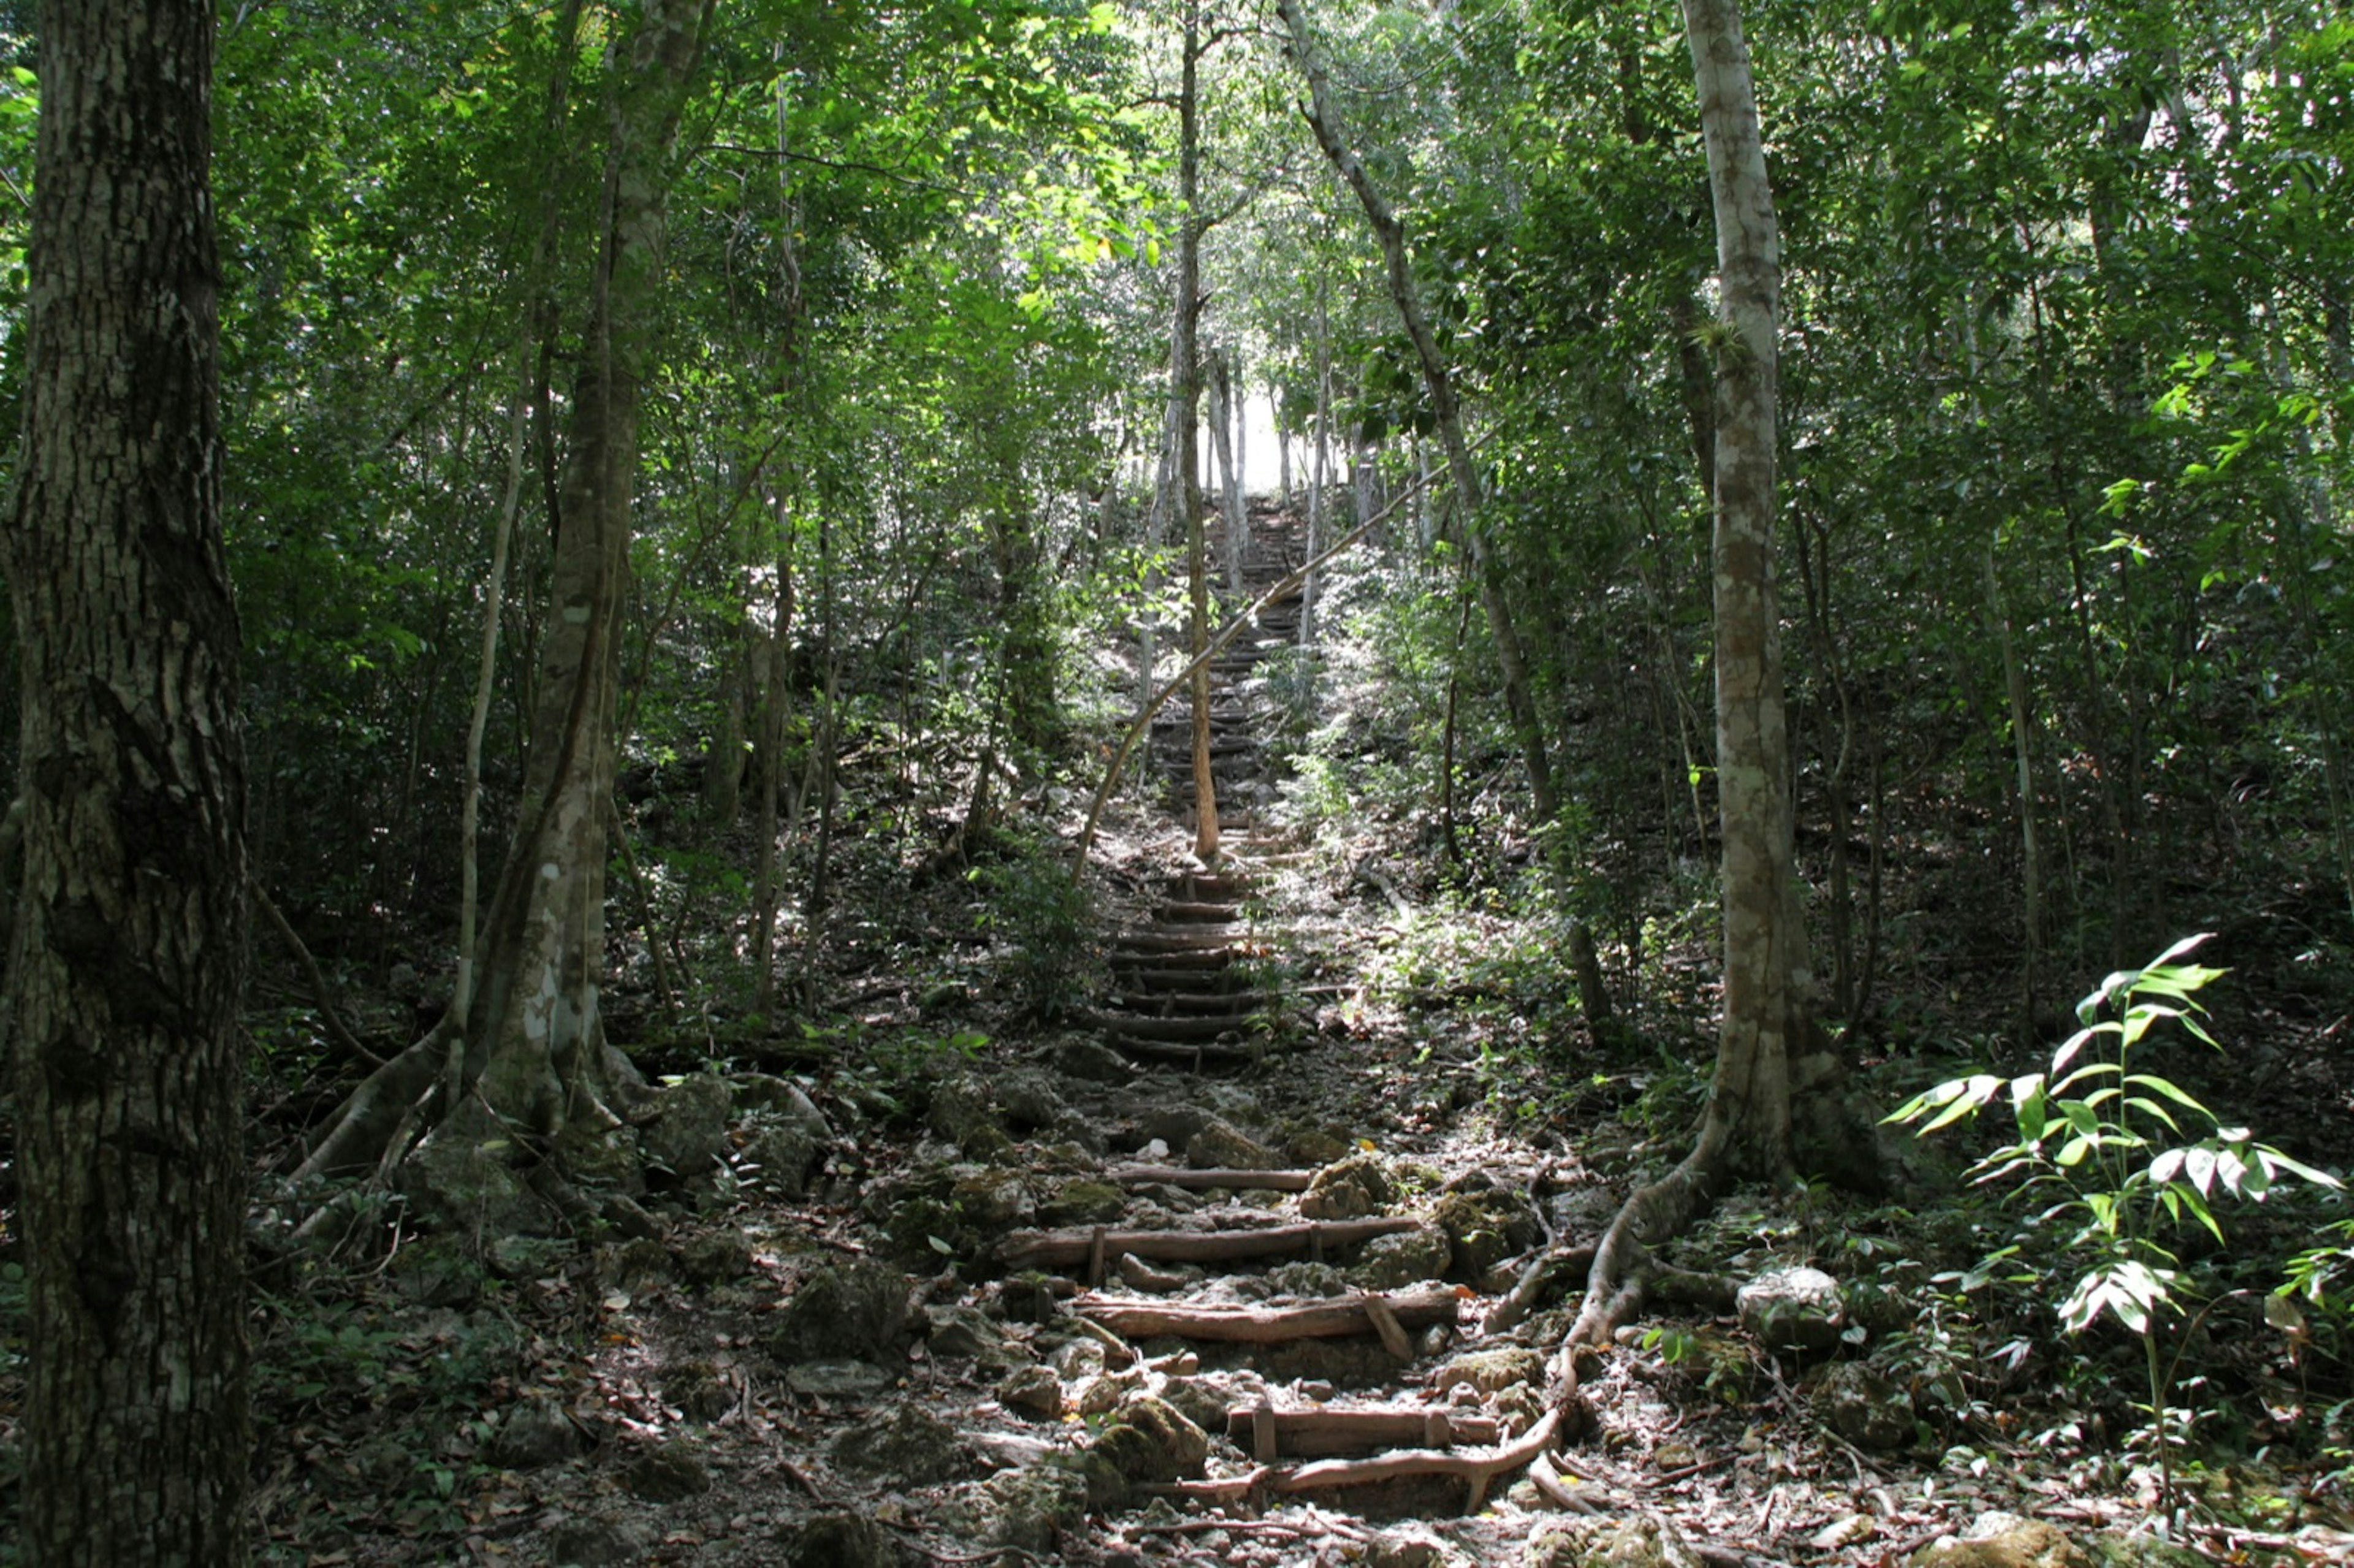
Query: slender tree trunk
column 1747, row 1128
column 1225, row 433
column 535, row 1055
column 2014, row 680
column 1520, row 699
column 776, row 702
column 130, row 959
column 1282, row 437
column 1319, row 476
column 1185, row 393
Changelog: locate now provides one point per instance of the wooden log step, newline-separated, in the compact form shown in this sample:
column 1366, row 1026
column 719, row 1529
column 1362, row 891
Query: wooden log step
column 1212, row 883
column 1324, row 1430
column 1172, row 1003
column 1202, row 960
column 1199, row 1056
column 1335, row 1319
column 1476, row 1467
column 1034, row 1248
column 1172, row 1031
column 1181, row 910
column 1198, row 940
column 1186, row 1176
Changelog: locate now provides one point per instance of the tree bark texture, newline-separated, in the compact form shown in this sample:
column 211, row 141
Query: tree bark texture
column 535, row 1054
column 130, row 957
column 1512, row 663
column 1185, row 396
column 1747, row 1129
column 1763, row 945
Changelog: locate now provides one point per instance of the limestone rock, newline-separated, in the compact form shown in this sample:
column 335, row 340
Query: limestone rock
column 838, row 1540
column 1027, row 1509
column 1092, row 1061
column 1028, row 1100
column 856, row 1310
column 535, row 1433
column 1315, row 1146
column 778, row 1157
column 1408, row 1257
column 669, row 1472
column 960, row 1113
column 1414, row 1547
column 697, row 1391
column 715, row 1258
column 905, row 1446
column 1083, row 1201
column 1150, row 1439
column 459, row 1177
column 989, row 1200
column 1793, row 1309
column 968, row 1332
column 1492, row 1371
column 688, row 1136
column 1033, row 1390
column 1608, row 1542
column 1485, row 1228
column 1865, row 1408
column 600, row 1542
column 1222, row 1146
column 1999, row 1540
column 1351, row 1189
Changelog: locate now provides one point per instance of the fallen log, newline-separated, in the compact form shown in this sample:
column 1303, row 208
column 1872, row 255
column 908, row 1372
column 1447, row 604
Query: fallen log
column 1182, row 1176
column 1325, row 1430
column 1273, row 1325
column 1028, row 1249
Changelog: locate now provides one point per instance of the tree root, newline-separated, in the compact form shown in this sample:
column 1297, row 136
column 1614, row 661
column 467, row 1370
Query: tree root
column 1476, row 1469
column 1622, row 1260
column 373, row 1122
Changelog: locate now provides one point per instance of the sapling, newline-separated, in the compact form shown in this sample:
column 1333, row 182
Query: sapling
column 2110, row 1137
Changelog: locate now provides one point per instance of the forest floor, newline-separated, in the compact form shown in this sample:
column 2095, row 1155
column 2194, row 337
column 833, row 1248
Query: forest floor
column 849, row 1344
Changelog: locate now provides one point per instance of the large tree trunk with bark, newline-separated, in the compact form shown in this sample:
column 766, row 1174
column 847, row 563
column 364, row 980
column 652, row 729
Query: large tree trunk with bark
column 130, row 954
column 1185, row 395
column 527, row 1063
column 1747, row 1129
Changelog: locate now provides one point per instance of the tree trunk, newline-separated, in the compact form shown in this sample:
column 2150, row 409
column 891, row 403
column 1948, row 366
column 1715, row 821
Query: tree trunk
column 1747, row 1128
column 535, row 1056
column 1185, row 393
column 1225, row 434
column 130, row 957
column 1520, row 699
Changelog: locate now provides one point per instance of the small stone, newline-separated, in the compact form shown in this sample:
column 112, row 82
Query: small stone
column 1316, row 1146
column 1793, row 1309
column 1844, row 1532
column 1867, row 1409
column 697, row 1391
column 1607, row 1543
column 964, row 1331
column 1220, row 1145
column 1033, row 1390
column 671, row 1473
column 536, row 1433
column 1414, row 1548
column 1999, row 1540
